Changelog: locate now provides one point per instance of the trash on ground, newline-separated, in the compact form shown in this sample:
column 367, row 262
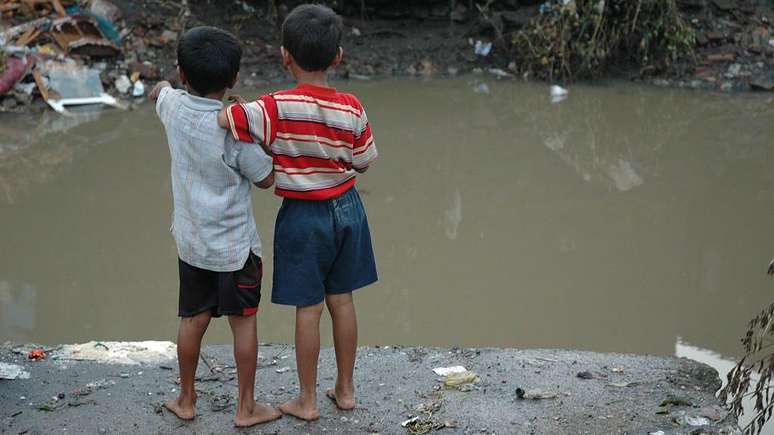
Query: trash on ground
column 446, row 371
column 459, row 379
column 36, row 354
column 138, row 90
column 585, row 375
column 80, row 35
column 13, row 371
column 691, row 420
column 12, row 70
column 71, row 84
column 623, row 384
column 119, row 352
column 482, row 48
column 500, row 73
column 123, row 84
column 283, row 369
column 676, row 401
column 534, row 394
column 419, row 426
column 409, row 421
column 98, row 385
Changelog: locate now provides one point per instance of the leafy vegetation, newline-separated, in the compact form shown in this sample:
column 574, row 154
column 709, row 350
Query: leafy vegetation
column 752, row 376
column 580, row 39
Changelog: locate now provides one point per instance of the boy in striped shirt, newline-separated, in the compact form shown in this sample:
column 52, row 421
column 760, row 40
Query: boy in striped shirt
column 320, row 140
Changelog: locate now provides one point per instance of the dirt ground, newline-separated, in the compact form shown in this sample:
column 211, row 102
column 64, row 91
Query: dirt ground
column 589, row 393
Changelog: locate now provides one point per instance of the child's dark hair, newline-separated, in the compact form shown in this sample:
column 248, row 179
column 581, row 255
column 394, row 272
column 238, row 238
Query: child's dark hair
column 210, row 58
column 312, row 34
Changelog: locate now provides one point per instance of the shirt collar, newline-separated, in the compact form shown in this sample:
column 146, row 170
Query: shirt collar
column 316, row 90
column 201, row 103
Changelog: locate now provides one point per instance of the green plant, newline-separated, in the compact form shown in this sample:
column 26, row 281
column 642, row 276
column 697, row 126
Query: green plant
column 758, row 361
column 582, row 38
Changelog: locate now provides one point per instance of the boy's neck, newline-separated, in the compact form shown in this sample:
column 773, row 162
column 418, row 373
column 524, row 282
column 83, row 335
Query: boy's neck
column 316, row 78
column 212, row 96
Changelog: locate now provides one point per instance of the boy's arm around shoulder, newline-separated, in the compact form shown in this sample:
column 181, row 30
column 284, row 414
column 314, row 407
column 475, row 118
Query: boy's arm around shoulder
column 239, row 130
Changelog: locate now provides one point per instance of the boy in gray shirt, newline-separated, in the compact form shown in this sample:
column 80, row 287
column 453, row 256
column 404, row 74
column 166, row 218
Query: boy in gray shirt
column 217, row 242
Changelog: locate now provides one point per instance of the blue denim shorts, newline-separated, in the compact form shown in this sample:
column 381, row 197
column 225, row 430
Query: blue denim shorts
column 321, row 248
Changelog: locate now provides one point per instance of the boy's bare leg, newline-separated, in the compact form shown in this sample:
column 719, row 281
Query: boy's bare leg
column 307, row 354
column 248, row 413
column 189, row 343
column 342, row 310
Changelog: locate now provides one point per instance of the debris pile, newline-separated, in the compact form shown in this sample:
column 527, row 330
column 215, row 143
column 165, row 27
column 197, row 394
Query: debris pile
column 67, row 53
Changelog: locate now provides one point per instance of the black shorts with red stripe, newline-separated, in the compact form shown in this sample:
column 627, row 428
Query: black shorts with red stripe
column 220, row 293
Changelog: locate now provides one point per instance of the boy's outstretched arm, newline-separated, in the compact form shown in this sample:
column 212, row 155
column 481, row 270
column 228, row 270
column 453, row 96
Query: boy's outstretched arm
column 154, row 93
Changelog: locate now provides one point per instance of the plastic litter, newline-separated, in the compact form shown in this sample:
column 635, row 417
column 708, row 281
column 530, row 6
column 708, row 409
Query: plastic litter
column 74, row 85
column 558, row 93
column 534, row 394
column 15, row 69
column 457, row 380
column 283, row 369
column 482, row 48
column 446, row 371
column 119, row 352
column 138, row 90
column 36, row 354
column 500, row 73
column 82, row 35
column 409, row 421
column 13, row 371
column 688, row 420
column 123, row 84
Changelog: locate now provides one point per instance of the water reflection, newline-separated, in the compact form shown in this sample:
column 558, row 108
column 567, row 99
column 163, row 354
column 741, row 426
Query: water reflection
column 30, row 152
column 18, row 309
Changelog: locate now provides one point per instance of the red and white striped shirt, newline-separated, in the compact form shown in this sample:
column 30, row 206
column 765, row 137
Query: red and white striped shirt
column 318, row 137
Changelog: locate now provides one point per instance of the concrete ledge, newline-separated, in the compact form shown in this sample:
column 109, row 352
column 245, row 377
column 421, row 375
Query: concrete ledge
column 622, row 394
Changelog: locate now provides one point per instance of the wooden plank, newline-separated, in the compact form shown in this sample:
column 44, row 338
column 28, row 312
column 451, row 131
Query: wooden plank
column 59, row 8
column 41, row 85
column 27, row 36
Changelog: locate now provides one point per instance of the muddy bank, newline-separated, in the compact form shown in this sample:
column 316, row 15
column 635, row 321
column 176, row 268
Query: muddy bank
column 584, row 393
column 439, row 38
column 733, row 51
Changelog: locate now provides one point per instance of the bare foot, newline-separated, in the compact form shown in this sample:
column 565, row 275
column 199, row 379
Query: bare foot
column 184, row 409
column 343, row 400
column 300, row 409
column 259, row 414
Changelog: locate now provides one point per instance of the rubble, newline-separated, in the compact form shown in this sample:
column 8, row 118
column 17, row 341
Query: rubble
column 47, row 38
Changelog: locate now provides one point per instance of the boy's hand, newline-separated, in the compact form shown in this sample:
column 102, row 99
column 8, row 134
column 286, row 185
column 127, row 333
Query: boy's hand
column 236, row 98
column 154, row 93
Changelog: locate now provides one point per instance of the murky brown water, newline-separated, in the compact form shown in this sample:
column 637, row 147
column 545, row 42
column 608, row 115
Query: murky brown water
column 619, row 220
